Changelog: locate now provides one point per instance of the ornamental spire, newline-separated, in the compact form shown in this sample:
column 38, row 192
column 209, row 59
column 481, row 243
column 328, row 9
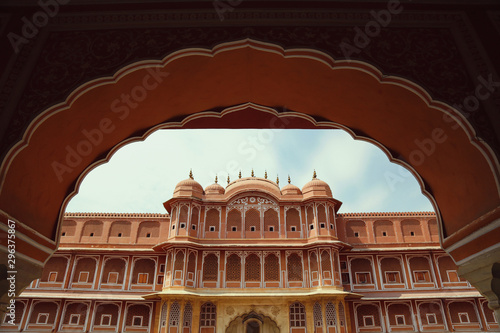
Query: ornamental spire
column 314, row 174
column 289, row 181
column 191, row 174
column 253, row 173
column 277, row 180
column 265, row 175
column 239, row 176
column 228, row 180
column 216, row 179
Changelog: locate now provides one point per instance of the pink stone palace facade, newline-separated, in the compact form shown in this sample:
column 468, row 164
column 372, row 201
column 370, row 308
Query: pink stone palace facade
column 250, row 257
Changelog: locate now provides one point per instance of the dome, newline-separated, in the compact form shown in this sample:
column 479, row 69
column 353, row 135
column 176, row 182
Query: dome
column 188, row 188
column 316, row 187
column 290, row 189
column 253, row 183
column 215, row 188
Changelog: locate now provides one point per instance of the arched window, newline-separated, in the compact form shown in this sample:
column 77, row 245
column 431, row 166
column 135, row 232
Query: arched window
column 326, row 264
column 271, row 220
column 233, row 268
column 234, row 220
column 292, row 220
column 313, row 263
column 191, row 268
column 212, row 220
column 138, row 315
column 368, row 315
column 210, row 267
column 54, row 270
column 188, row 315
column 75, row 313
column 318, row 316
column 84, row 270
column 355, row 228
column 391, row 270
column 271, row 268
column 144, row 271
column 252, row 220
column 183, row 215
column 252, row 268
column 208, row 315
column 68, row 228
column 106, row 315
column 331, row 315
column 175, row 315
column 294, row 266
column 310, row 217
column 113, row 271
column 297, row 315
column 321, row 216
column 44, row 313
column 120, row 229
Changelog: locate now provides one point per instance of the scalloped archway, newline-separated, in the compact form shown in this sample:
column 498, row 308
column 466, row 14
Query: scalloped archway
column 458, row 172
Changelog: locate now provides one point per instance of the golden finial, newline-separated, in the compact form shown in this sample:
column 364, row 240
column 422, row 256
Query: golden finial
column 289, row 181
column 239, row 176
column 252, row 173
column 216, row 179
column 191, row 174
column 314, row 174
column 277, row 180
column 265, row 174
column 228, row 180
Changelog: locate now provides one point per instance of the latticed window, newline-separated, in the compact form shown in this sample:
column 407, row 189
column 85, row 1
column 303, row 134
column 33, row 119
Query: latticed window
column 318, row 316
column 271, row 220
column 175, row 314
column 271, row 268
column 252, row 219
column 341, row 314
column 310, row 216
column 326, row 264
column 368, row 311
column 174, row 214
column 234, row 220
column 210, row 267
column 191, row 263
column 164, row 314
column 321, row 214
column 188, row 315
column 252, row 268
column 179, row 261
column 294, row 266
column 331, row 316
column 194, row 216
column 212, row 220
column 136, row 311
column 297, row 315
column 233, row 268
column 208, row 315
column 183, row 214
column 313, row 260
column 292, row 220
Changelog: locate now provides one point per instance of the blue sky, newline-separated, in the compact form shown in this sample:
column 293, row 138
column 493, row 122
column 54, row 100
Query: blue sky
column 142, row 175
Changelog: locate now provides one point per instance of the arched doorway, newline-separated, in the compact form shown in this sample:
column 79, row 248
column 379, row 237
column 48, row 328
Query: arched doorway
column 252, row 326
column 431, row 139
column 252, row 322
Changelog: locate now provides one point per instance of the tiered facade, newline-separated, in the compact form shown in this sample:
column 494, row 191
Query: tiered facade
column 250, row 257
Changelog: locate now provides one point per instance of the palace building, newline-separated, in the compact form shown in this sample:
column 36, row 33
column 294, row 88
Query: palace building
column 250, row 257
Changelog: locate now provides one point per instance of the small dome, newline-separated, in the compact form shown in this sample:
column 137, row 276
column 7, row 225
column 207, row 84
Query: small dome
column 251, row 184
column 291, row 189
column 188, row 188
column 316, row 187
column 214, row 189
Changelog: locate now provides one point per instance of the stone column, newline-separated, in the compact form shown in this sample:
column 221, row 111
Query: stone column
column 195, row 325
column 483, row 272
column 309, row 316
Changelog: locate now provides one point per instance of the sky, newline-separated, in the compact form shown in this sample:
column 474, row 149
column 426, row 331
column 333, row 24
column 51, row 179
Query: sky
column 142, row 175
